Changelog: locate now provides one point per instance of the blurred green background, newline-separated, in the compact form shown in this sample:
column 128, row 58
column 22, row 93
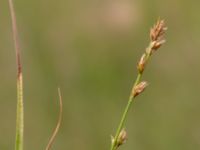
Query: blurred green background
column 90, row 49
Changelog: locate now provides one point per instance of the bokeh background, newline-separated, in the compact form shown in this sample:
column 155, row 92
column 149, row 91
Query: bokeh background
column 90, row 49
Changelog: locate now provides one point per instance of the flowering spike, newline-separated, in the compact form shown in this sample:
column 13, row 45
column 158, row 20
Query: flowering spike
column 158, row 30
column 121, row 138
column 139, row 88
column 141, row 63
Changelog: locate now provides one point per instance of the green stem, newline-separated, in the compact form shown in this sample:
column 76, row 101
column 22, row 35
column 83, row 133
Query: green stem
column 20, row 115
column 124, row 115
column 20, row 105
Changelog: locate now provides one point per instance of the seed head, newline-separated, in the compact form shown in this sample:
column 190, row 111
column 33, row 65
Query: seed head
column 156, row 36
column 141, row 63
column 122, row 137
column 157, row 44
column 158, row 30
column 139, row 88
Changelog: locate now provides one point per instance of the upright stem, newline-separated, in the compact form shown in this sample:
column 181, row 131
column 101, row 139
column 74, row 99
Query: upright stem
column 20, row 105
column 20, row 115
column 124, row 115
column 114, row 145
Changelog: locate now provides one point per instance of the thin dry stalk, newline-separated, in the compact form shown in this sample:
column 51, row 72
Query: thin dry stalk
column 52, row 138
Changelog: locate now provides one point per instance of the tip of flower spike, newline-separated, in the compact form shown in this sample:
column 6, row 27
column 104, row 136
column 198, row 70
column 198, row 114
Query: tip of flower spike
column 157, row 36
column 158, row 30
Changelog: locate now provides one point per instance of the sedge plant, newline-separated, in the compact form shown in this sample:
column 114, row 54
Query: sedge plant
column 156, row 41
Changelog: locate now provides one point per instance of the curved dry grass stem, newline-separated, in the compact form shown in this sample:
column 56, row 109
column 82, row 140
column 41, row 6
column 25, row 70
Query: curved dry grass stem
column 52, row 138
column 20, row 104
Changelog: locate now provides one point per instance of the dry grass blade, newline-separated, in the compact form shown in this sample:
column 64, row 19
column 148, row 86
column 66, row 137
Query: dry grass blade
column 15, row 37
column 58, row 123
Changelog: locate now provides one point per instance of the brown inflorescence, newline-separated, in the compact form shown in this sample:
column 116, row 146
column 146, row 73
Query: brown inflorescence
column 158, row 30
column 157, row 33
column 141, row 63
column 139, row 88
column 122, row 137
